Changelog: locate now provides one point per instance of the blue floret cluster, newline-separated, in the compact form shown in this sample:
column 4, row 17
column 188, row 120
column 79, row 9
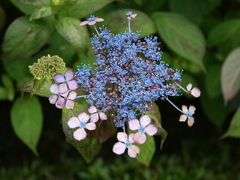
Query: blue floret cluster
column 129, row 75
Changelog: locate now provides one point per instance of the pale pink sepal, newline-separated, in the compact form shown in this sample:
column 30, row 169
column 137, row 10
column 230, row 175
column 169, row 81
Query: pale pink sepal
column 80, row 134
column 139, row 138
column 53, row 99
column 190, row 121
column 119, row 148
column 102, row 116
column 133, row 151
column 99, row 19
column 59, row 78
column 134, row 124
column 69, row 75
column 84, row 23
column 145, row 120
column 60, row 103
column 83, row 117
column 72, row 85
column 121, row 136
column 94, row 117
column 92, row 109
column 91, row 126
column 151, row 129
column 62, row 88
column 54, row 88
column 196, row 92
column 73, row 122
column 69, row 104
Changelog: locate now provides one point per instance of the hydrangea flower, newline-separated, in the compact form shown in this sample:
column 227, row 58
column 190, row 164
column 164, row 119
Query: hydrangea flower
column 195, row 92
column 142, row 126
column 130, row 15
column 66, row 82
column 125, row 142
column 95, row 115
column 62, row 100
column 81, row 122
column 128, row 77
column 91, row 21
column 63, row 90
column 187, row 115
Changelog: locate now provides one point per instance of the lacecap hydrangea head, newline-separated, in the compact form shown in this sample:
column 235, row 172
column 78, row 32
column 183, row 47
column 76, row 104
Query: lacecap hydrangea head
column 128, row 77
column 47, row 67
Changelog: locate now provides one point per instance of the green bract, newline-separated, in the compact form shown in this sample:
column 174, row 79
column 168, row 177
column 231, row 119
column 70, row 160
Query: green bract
column 47, row 66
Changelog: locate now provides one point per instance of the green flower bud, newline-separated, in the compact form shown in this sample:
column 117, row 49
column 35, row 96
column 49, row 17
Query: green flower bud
column 47, row 67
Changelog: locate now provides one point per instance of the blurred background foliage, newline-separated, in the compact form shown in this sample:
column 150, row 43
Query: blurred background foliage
column 201, row 37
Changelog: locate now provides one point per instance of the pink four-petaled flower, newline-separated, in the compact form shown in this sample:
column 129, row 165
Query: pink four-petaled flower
column 187, row 115
column 143, row 126
column 63, row 90
column 91, row 21
column 126, row 142
column 82, row 123
column 195, row 92
column 95, row 115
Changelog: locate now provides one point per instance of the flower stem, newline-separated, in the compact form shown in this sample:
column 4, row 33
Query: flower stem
column 96, row 30
column 174, row 105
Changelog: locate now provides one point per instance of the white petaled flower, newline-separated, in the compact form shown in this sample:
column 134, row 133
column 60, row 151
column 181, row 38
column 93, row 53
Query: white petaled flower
column 195, row 92
column 187, row 115
column 95, row 115
column 143, row 126
column 125, row 142
column 81, row 122
column 91, row 21
column 130, row 15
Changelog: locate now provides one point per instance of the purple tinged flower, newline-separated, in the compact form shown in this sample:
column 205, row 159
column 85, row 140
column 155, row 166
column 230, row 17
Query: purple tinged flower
column 125, row 142
column 81, row 123
column 187, row 115
column 143, row 126
column 95, row 115
column 62, row 100
column 63, row 91
column 91, row 21
column 66, row 82
column 195, row 92
column 130, row 15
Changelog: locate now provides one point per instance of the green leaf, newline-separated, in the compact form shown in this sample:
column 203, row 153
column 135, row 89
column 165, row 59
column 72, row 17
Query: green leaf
column 7, row 82
column 41, row 13
column 23, row 39
column 214, row 109
column 3, row 93
column 194, row 10
column 147, row 151
column 105, row 129
column 156, row 117
column 117, row 22
column 181, row 36
column 81, row 8
column 28, row 6
column 18, row 70
column 75, row 34
column 213, row 81
column 230, row 77
column 88, row 147
column 234, row 128
column 228, row 31
column 26, row 118
column 38, row 87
